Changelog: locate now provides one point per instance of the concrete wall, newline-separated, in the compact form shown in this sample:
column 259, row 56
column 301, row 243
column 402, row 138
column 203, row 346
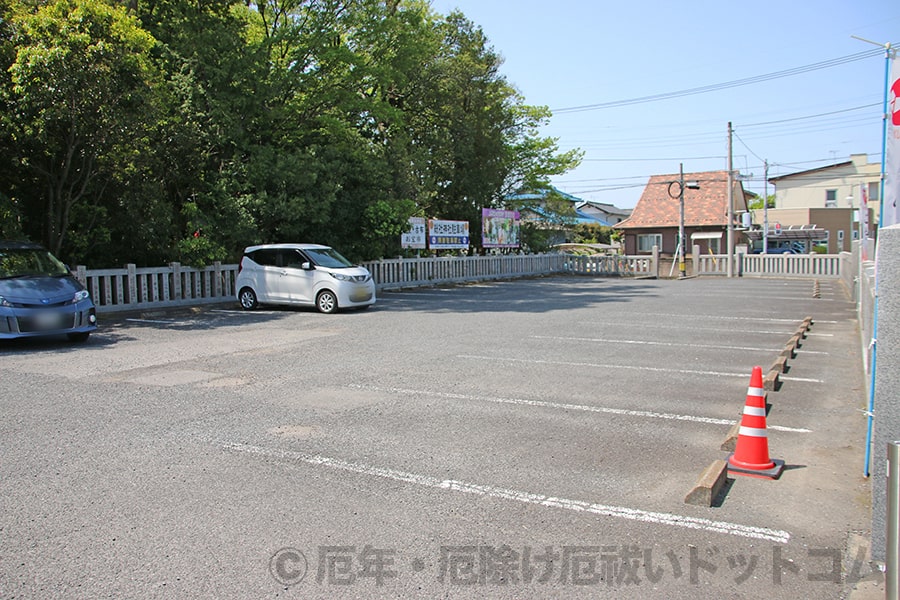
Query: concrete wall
column 887, row 378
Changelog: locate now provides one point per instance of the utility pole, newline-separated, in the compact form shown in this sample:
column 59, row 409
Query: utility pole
column 691, row 185
column 681, row 270
column 729, row 242
column 765, row 248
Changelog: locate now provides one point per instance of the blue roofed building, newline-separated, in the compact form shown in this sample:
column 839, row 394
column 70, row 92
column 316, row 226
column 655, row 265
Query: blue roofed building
column 553, row 209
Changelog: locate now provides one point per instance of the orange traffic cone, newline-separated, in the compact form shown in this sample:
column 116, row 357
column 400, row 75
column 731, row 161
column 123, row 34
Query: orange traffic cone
column 751, row 454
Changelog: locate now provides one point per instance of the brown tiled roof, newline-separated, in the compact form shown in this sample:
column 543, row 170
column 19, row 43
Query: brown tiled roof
column 707, row 206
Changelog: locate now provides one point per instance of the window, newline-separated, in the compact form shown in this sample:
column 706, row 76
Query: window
column 264, row 257
column 291, row 258
column 646, row 242
column 715, row 246
column 830, row 198
column 874, row 189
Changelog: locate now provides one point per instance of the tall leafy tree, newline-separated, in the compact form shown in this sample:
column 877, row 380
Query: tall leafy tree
column 482, row 140
column 78, row 90
column 154, row 130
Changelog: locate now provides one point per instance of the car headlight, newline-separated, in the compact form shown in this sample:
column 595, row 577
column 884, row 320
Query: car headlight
column 341, row 277
column 4, row 302
column 81, row 295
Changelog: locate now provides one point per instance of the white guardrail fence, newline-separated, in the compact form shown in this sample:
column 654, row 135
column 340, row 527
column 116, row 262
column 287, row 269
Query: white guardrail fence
column 140, row 288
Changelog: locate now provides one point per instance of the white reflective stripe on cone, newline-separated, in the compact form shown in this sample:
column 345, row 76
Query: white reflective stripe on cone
column 759, row 392
column 753, row 432
column 755, row 411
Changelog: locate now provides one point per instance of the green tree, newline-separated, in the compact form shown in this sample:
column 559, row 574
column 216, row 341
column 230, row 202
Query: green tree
column 127, row 127
column 479, row 141
column 757, row 202
column 591, row 233
column 78, row 91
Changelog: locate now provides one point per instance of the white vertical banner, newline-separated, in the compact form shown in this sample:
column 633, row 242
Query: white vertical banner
column 891, row 201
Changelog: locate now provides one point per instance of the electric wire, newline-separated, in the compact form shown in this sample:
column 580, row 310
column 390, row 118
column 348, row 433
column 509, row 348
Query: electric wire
column 722, row 86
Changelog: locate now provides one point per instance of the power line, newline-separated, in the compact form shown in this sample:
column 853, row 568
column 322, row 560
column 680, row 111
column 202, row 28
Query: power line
column 744, row 144
column 823, row 121
column 651, row 159
column 825, row 114
column 722, row 86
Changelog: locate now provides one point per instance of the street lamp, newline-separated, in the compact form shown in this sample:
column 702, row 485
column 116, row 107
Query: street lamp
column 691, row 185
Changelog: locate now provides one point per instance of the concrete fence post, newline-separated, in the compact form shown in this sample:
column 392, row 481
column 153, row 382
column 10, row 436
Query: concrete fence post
column 176, row 281
column 892, row 576
column 886, row 409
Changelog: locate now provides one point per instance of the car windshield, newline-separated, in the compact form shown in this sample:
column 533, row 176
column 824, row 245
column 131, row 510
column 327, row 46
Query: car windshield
column 328, row 257
column 30, row 262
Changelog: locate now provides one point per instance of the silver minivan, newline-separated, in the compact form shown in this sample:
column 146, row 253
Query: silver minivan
column 304, row 275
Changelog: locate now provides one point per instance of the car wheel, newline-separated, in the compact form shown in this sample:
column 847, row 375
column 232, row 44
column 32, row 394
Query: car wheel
column 248, row 299
column 79, row 337
column 326, row 302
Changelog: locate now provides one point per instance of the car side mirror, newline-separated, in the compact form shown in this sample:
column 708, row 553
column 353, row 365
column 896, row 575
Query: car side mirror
column 307, row 266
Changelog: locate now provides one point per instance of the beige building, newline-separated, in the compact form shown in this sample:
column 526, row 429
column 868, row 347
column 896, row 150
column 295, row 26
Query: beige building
column 834, row 186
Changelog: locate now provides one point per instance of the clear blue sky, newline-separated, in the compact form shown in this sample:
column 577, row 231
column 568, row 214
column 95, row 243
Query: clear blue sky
column 573, row 53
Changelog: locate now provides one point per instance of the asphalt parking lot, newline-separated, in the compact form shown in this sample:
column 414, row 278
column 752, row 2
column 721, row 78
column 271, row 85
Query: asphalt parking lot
column 520, row 439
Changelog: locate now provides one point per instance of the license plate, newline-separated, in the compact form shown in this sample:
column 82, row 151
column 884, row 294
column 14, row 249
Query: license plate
column 360, row 295
column 46, row 321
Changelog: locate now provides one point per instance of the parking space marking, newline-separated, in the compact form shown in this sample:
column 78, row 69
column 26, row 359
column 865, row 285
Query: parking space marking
column 537, row 361
column 785, row 332
column 563, row 406
column 430, row 292
column 652, row 343
column 733, row 318
column 152, row 321
column 800, row 379
column 621, row 512
column 225, row 311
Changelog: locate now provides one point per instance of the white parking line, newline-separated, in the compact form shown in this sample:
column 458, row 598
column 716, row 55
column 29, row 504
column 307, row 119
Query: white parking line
column 632, row 367
column 154, row 321
column 225, row 311
column 786, row 333
column 563, row 406
column 670, row 344
column 632, row 514
column 733, row 318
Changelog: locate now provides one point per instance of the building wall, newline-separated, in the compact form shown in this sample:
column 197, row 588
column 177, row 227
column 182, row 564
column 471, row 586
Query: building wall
column 808, row 190
column 834, row 220
column 670, row 240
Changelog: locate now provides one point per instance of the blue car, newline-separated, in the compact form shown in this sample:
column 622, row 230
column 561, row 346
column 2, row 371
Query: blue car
column 39, row 296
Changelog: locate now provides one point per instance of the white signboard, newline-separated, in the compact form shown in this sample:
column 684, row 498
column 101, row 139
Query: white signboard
column 416, row 237
column 448, row 235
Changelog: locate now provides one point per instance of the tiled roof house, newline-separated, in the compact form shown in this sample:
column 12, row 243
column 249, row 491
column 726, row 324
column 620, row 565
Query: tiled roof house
column 655, row 219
